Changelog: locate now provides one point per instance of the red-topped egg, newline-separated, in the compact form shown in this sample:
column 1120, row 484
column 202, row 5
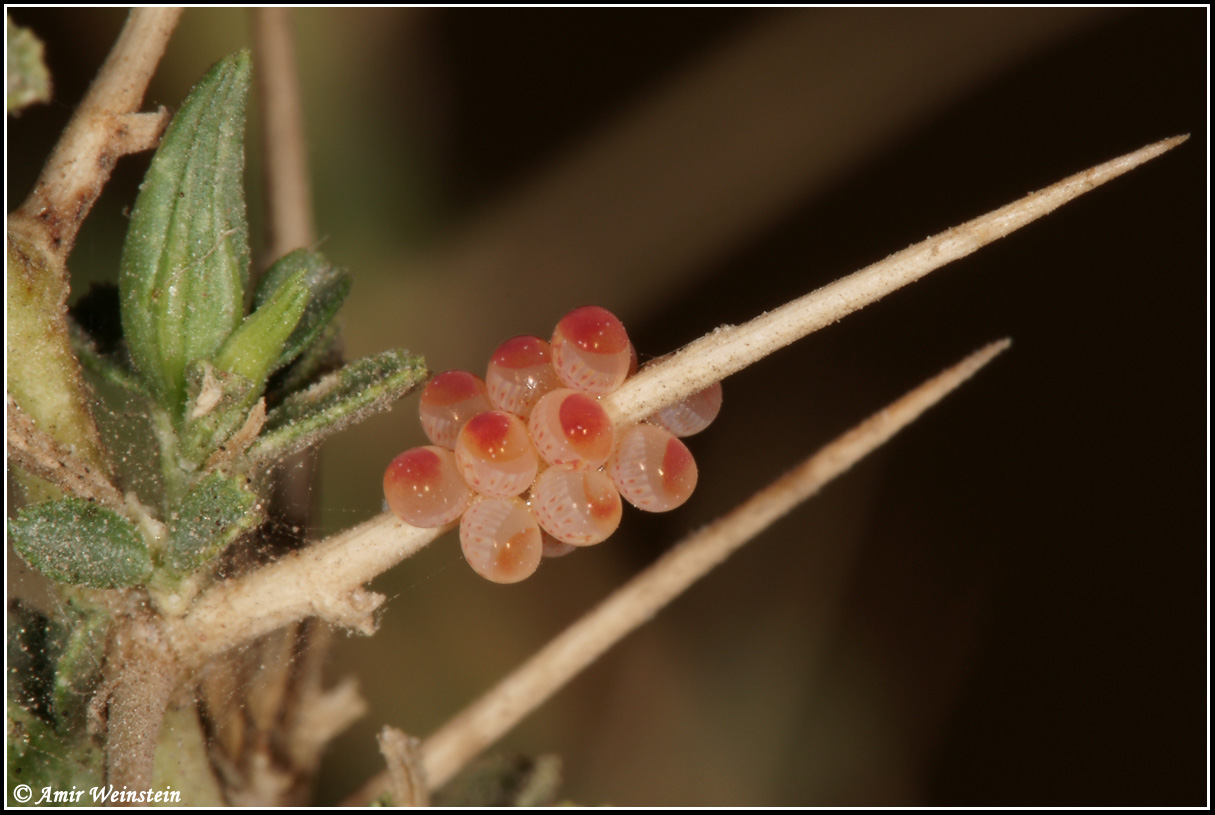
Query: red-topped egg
column 496, row 455
column 591, row 350
column 570, row 429
column 449, row 400
column 652, row 469
column 520, row 372
column 423, row 487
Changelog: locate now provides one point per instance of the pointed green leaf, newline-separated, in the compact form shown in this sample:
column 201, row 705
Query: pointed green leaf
column 253, row 349
column 344, row 397
column 323, row 355
column 80, row 542
column 28, row 79
column 327, row 285
column 185, row 262
column 212, row 515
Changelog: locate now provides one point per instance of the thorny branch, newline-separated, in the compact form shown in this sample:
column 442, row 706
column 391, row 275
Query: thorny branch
column 490, row 717
column 327, row 579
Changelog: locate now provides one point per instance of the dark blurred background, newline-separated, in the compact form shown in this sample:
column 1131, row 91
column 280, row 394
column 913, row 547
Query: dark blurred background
column 1005, row 606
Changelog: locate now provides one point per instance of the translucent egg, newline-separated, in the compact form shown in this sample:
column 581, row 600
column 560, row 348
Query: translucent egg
column 692, row 415
column 581, row 508
column 520, row 372
column 553, row 547
column 590, row 350
column 449, row 400
column 496, row 455
column 570, row 429
column 423, row 487
column 652, row 469
column 500, row 539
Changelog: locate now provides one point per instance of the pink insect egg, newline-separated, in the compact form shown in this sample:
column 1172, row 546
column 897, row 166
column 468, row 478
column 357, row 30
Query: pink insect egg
column 424, row 488
column 449, row 400
column 496, row 455
column 581, row 508
column 553, row 547
column 652, row 469
column 590, row 350
column 500, row 539
column 692, row 415
column 520, row 372
column 570, row 429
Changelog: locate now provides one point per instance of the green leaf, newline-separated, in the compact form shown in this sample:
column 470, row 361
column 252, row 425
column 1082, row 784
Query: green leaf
column 253, row 349
column 28, row 79
column 324, row 355
column 217, row 405
column 185, row 263
column 80, row 542
column 327, row 285
column 212, row 515
column 39, row 758
column 349, row 395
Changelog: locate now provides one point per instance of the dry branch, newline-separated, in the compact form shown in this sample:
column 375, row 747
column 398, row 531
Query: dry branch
column 43, row 456
column 104, row 128
column 326, row 579
column 489, row 718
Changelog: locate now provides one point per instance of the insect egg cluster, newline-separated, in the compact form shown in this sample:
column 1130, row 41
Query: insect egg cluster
column 528, row 459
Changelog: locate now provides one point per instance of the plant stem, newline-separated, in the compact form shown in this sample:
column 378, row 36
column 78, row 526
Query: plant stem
column 141, row 676
column 46, row 458
column 285, row 155
column 325, row 579
column 104, row 128
column 490, row 717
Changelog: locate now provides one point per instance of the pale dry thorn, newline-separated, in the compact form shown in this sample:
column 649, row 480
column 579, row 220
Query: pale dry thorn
column 295, row 586
column 487, row 719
